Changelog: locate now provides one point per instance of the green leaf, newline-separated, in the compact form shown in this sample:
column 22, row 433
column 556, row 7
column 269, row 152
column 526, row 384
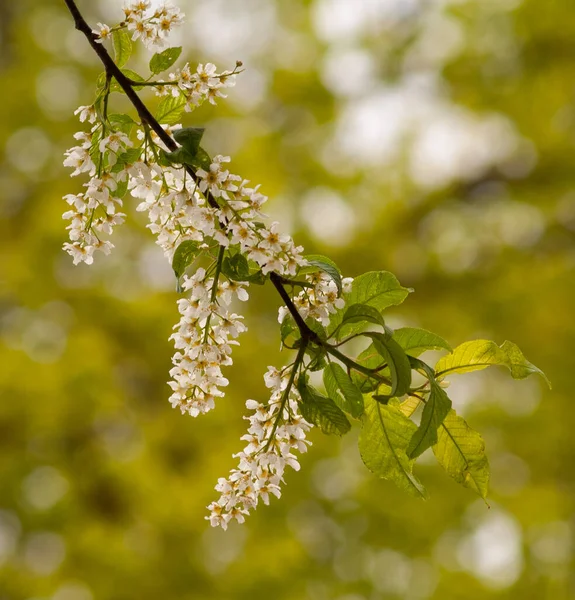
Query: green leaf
column 164, row 60
column 321, row 411
column 434, row 412
column 383, row 441
column 341, row 389
column 357, row 313
column 397, row 361
column 326, row 265
column 414, row 341
column 378, row 289
column 461, row 452
column 122, row 122
column 184, row 255
column 122, row 47
column 519, row 366
column 480, row 354
column 170, row 109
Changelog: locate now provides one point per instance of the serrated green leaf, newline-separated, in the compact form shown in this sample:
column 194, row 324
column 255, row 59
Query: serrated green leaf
column 383, row 441
column 122, row 47
column 170, row 110
column 321, row 411
column 414, row 341
column 341, row 389
column 461, row 452
column 378, row 289
column 325, row 264
column 397, row 361
column 164, row 60
column 480, row 354
column 184, row 255
column 436, row 408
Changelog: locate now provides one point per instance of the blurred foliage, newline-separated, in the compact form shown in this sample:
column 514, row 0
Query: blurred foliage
column 433, row 138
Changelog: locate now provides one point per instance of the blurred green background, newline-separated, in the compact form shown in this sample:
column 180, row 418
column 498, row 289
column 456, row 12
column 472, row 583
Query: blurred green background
column 432, row 138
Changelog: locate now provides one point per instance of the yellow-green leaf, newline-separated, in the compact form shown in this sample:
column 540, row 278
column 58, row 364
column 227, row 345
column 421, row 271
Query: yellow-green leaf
column 461, row 452
column 383, row 441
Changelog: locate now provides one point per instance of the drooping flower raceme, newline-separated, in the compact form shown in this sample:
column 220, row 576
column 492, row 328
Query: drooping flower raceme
column 276, row 430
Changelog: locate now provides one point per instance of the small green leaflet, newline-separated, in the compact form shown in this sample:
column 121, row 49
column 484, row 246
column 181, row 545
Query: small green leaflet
column 378, row 289
column 341, row 389
column 326, row 265
column 184, row 255
column 480, row 354
column 436, row 408
column 170, row 110
column 396, row 360
column 321, row 411
column 383, row 440
column 164, row 60
column 461, row 452
column 122, row 47
column 414, row 341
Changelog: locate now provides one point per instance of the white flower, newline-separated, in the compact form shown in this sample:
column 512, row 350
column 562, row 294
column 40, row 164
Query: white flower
column 87, row 113
column 102, row 32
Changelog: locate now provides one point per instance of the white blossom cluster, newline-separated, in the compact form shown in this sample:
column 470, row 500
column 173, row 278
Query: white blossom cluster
column 263, row 461
column 320, row 301
column 203, row 340
column 95, row 211
column 144, row 22
column 196, row 87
